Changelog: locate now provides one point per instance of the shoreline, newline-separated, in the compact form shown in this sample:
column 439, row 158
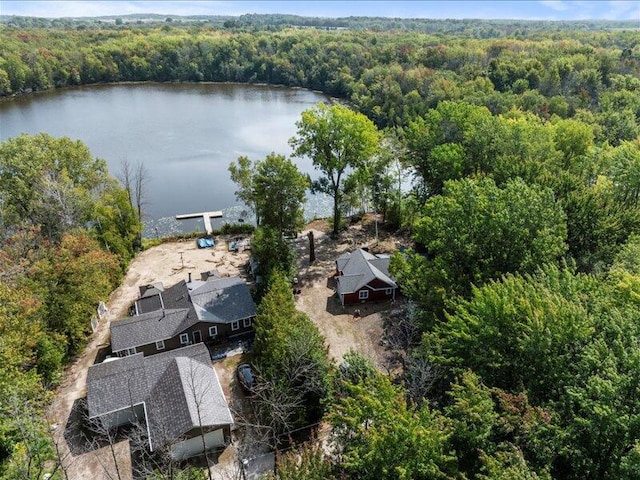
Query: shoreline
column 25, row 94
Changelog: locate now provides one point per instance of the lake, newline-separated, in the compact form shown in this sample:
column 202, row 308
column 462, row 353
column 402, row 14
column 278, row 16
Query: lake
column 185, row 134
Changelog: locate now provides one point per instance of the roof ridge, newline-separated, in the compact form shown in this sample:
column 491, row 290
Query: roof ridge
column 148, row 315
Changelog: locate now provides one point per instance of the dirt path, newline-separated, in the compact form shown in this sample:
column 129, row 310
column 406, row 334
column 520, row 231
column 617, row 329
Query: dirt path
column 171, row 262
column 167, row 263
column 340, row 328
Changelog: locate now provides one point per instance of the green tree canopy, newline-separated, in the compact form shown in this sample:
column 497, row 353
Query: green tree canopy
column 274, row 189
column 475, row 232
column 381, row 437
column 242, row 173
column 71, row 280
column 523, row 332
column 568, row 341
column 116, row 223
column 272, row 252
column 280, row 192
column 338, row 141
column 451, row 141
column 49, row 182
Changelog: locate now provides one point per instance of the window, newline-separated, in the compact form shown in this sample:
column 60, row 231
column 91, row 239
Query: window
column 131, row 351
column 213, row 331
column 389, row 291
column 160, row 345
column 246, row 322
column 363, row 294
column 235, row 325
column 184, row 338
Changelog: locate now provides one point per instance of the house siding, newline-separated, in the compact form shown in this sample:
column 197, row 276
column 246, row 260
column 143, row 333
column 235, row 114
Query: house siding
column 224, row 333
column 377, row 283
column 191, row 443
column 123, row 417
column 374, row 295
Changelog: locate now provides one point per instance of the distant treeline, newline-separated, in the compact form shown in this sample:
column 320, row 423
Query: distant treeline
column 391, row 77
column 475, row 28
column 520, row 348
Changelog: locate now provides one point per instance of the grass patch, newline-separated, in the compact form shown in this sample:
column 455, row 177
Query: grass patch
column 225, row 229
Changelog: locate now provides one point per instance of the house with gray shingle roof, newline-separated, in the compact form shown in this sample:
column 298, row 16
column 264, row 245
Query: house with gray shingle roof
column 212, row 310
column 362, row 277
column 176, row 395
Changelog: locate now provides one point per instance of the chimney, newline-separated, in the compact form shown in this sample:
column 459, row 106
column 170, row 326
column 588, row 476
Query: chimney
column 189, row 277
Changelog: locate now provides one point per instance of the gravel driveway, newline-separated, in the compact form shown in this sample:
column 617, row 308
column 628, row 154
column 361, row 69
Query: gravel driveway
column 171, row 262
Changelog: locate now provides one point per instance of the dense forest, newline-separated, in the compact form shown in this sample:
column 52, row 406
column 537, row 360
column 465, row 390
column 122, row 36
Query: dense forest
column 521, row 341
column 476, row 28
column 392, row 77
column 67, row 233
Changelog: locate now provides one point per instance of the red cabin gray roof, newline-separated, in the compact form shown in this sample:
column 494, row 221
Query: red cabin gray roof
column 359, row 268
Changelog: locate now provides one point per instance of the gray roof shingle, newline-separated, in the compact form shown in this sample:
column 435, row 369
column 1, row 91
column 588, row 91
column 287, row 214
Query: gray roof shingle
column 173, row 297
column 174, row 385
column 149, row 304
column 223, row 300
column 110, row 385
column 149, row 328
column 216, row 300
column 359, row 268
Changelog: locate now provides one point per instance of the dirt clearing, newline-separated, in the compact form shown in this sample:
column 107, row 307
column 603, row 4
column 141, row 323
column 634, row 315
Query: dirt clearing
column 171, row 262
column 167, row 263
column 342, row 330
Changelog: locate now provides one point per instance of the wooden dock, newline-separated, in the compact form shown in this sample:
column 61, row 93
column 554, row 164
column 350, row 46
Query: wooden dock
column 206, row 218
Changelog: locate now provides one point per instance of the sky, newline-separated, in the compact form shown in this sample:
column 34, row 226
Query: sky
column 504, row 9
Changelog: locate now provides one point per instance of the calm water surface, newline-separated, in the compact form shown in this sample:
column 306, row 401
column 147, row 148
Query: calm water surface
column 186, row 135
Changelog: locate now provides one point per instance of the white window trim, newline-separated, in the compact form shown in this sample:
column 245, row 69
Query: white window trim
column 389, row 291
column 235, row 325
column 184, row 339
column 246, row 322
column 131, row 351
column 160, row 345
column 363, row 294
column 213, row 331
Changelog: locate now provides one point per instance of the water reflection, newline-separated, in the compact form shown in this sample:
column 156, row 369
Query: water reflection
column 185, row 134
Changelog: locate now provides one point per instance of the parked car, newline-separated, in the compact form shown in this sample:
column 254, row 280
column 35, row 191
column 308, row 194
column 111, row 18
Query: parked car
column 246, row 379
column 205, row 242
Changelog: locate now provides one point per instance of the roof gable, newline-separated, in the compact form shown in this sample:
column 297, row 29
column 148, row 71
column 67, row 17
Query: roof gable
column 151, row 289
column 179, row 388
column 359, row 268
column 149, row 328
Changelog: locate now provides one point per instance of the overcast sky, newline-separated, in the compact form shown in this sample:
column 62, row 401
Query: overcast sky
column 531, row 10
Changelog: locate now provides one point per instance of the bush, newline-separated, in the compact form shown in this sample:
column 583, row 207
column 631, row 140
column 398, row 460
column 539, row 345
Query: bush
column 235, row 229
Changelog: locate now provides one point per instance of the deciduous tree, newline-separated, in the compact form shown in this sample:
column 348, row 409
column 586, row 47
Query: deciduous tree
column 243, row 175
column 279, row 190
column 48, row 182
column 381, row 437
column 338, row 141
column 476, row 231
